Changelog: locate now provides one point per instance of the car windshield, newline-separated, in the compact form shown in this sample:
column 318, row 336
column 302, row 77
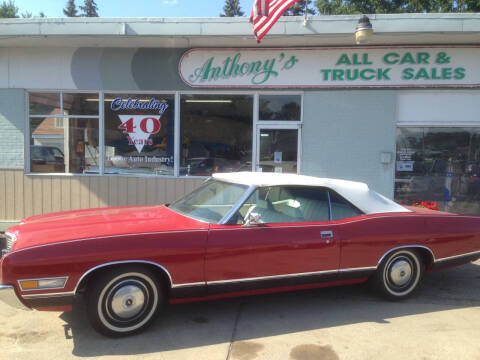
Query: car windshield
column 210, row 202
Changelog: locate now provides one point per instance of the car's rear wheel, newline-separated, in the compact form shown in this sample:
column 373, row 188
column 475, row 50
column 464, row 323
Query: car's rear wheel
column 123, row 301
column 399, row 274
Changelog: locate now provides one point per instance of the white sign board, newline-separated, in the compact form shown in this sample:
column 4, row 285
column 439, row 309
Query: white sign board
column 433, row 66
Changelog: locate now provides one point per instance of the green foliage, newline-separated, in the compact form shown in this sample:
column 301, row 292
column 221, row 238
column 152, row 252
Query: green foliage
column 298, row 9
column 339, row 7
column 8, row 9
column 71, row 9
column 89, row 9
column 27, row 14
column 231, row 9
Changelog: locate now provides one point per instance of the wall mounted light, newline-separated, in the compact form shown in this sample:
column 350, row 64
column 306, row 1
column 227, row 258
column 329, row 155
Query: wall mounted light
column 364, row 30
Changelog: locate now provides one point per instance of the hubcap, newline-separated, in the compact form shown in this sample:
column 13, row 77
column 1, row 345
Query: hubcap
column 400, row 272
column 128, row 301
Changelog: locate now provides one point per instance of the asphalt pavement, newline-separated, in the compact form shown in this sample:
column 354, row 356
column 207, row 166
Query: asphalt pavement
column 442, row 321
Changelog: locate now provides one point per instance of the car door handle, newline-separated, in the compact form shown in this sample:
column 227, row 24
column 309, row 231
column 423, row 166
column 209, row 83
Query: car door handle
column 326, row 234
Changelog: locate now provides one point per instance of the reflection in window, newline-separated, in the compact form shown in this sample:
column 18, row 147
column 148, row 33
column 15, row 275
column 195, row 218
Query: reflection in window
column 139, row 134
column 80, row 104
column 44, row 104
column 341, row 208
column 278, row 150
column 60, row 143
column 280, row 107
column 440, row 165
column 216, row 134
column 71, row 148
column 211, row 202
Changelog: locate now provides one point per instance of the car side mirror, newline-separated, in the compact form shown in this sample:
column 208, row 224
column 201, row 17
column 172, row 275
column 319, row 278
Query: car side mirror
column 253, row 219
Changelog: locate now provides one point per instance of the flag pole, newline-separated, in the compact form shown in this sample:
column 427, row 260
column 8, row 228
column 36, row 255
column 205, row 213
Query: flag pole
column 306, row 13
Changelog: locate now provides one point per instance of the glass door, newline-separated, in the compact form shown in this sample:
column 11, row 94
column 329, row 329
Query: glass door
column 277, row 149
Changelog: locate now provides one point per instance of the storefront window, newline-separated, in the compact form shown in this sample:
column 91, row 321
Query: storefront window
column 440, row 166
column 61, row 143
column 139, row 134
column 216, row 134
column 280, row 107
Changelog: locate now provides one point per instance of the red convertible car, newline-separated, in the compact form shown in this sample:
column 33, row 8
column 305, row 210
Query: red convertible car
column 238, row 234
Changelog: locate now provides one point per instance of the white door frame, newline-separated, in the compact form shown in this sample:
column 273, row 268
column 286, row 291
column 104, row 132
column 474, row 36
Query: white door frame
column 276, row 126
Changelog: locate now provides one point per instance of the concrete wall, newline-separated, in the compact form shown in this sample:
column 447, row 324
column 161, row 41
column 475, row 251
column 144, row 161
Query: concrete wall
column 344, row 134
column 12, row 124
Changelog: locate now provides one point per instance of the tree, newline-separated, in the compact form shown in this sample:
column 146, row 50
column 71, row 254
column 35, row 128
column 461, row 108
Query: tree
column 8, row 10
column 28, row 14
column 298, row 9
column 89, row 8
column 231, row 9
column 340, row 7
column 71, row 9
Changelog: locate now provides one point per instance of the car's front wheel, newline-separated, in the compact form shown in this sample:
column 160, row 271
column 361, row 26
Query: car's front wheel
column 399, row 274
column 123, row 301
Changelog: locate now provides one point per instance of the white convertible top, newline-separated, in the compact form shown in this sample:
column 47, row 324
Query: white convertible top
column 358, row 193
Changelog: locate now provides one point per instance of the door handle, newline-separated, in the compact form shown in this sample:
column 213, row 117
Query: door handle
column 326, row 234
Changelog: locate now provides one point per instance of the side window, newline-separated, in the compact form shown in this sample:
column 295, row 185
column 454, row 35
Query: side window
column 287, row 204
column 341, row 208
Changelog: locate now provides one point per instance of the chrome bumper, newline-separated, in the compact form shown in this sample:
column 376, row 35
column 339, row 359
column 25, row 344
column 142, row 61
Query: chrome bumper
column 8, row 296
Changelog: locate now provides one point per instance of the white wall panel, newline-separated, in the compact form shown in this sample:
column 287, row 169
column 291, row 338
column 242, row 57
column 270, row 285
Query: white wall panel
column 438, row 107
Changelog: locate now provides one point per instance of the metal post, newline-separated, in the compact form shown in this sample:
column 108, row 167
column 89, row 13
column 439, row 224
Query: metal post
column 306, row 13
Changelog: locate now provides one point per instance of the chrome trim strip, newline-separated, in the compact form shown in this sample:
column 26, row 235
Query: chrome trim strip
column 325, row 272
column 122, row 262
column 9, row 297
column 271, row 277
column 358, row 269
column 457, row 256
column 48, row 295
column 405, row 247
column 44, row 288
column 238, row 205
column 176, row 286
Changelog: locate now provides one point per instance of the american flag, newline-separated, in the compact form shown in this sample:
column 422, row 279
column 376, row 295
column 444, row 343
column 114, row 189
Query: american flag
column 265, row 14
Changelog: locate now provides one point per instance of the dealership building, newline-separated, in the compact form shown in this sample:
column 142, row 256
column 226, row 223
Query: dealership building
column 101, row 112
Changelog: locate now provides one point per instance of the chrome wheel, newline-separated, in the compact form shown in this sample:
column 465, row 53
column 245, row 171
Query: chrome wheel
column 400, row 272
column 128, row 299
column 124, row 302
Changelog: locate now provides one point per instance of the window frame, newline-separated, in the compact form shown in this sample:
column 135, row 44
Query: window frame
column 177, row 125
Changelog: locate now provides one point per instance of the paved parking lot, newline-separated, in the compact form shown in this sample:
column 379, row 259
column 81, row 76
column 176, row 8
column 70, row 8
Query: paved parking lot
column 442, row 321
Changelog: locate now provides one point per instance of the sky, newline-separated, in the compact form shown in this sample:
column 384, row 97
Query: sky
column 138, row 8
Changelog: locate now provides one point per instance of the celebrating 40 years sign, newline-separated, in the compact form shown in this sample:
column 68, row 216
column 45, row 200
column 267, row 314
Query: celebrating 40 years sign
column 432, row 66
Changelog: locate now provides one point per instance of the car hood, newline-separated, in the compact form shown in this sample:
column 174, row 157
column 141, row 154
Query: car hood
column 92, row 223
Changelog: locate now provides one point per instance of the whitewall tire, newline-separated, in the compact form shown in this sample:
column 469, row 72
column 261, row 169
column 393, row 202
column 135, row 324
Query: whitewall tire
column 123, row 301
column 399, row 274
